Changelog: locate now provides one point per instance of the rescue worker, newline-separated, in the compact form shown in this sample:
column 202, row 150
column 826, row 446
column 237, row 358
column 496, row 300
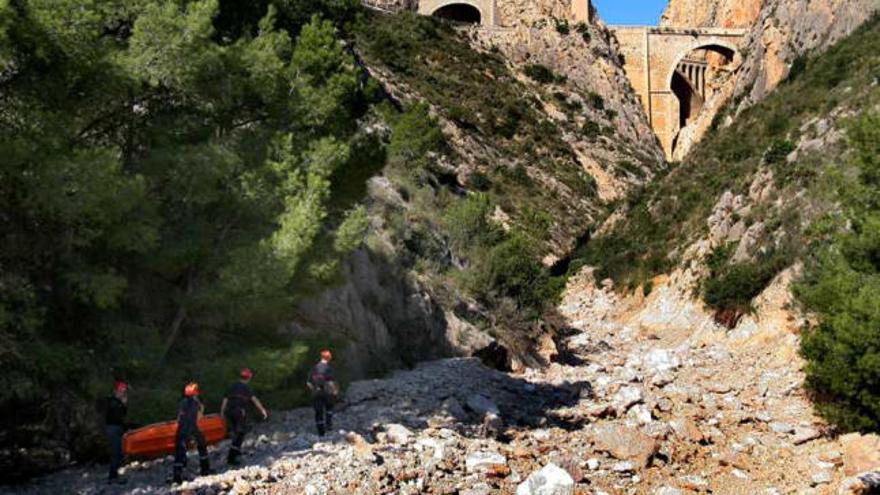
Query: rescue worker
column 234, row 409
column 324, row 391
column 117, row 407
column 189, row 410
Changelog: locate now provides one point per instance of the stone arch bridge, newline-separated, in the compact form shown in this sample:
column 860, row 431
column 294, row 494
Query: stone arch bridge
column 669, row 69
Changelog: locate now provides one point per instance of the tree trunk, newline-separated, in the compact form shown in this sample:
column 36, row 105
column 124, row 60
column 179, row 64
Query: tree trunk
column 179, row 318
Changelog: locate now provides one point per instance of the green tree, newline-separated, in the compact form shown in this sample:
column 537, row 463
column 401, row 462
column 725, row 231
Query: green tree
column 166, row 179
column 842, row 286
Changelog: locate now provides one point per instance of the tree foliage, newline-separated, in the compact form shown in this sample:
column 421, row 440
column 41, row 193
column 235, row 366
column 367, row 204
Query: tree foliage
column 166, row 175
column 842, row 287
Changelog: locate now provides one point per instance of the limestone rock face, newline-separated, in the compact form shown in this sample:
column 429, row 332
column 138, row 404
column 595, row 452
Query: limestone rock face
column 387, row 317
column 700, row 13
column 587, row 58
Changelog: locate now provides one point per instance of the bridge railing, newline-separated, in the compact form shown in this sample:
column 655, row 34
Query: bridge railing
column 693, row 31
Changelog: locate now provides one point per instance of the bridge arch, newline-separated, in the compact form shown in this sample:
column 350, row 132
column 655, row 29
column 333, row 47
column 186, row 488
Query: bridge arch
column 687, row 81
column 459, row 11
column 716, row 44
column 469, row 11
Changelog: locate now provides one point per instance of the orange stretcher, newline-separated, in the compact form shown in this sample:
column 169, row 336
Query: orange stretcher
column 158, row 439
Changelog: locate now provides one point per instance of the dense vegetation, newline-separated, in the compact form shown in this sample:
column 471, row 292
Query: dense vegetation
column 167, row 179
column 177, row 176
column 842, row 286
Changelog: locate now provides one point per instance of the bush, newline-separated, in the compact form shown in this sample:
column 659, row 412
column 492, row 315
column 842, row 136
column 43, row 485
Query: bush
column 414, row 134
column 778, row 151
column 596, row 101
column 591, row 130
column 468, row 223
column 562, row 26
column 583, row 30
column 735, row 286
column 478, row 181
column 540, row 73
column 511, row 270
column 842, row 286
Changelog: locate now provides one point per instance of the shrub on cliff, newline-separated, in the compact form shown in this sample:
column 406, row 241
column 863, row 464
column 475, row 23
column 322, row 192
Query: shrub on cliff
column 540, row 73
column 511, row 270
column 842, row 287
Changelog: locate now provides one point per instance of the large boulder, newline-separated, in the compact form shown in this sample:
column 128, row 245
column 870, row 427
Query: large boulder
column 625, row 443
column 549, row 480
column 660, row 360
column 860, row 453
column 862, row 484
column 482, row 405
column 395, row 433
column 626, row 397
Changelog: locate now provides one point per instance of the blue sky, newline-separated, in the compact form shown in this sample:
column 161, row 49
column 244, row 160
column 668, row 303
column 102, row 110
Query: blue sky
column 646, row 12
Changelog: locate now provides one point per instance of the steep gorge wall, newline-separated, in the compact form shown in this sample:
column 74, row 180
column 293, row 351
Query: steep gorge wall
column 393, row 314
column 780, row 32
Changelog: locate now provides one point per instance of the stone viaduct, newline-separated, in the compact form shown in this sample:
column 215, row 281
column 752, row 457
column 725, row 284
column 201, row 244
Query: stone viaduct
column 669, row 68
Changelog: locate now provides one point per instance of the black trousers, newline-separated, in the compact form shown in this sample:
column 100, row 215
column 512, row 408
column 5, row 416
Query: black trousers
column 323, row 404
column 183, row 436
column 237, row 421
column 114, row 436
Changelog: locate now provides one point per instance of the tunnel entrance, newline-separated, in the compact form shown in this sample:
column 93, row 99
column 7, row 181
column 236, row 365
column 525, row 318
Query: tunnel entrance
column 695, row 80
column 459, row 12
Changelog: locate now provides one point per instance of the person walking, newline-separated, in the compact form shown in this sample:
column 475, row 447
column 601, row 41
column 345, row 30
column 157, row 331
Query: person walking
column 324, row 391
column 234, row 409
column 189, row 410
column 117, row 408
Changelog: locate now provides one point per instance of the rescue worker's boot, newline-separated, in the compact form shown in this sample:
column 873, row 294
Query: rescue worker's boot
column 205, row 466
column 178, row 475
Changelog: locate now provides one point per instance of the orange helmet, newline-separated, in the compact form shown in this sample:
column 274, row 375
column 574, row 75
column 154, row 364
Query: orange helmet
column 245, row 373
column 192, row 388
column 326, row 355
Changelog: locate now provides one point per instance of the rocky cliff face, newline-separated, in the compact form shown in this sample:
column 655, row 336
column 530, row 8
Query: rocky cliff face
column 589, row 143
column 387, row 317
column 704, row 13
column 780, row 31
column 586, row 58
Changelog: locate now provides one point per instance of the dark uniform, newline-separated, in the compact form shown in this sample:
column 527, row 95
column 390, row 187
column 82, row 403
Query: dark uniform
column 238, row 396
column 323, row 396
column 187, row 427
column 115, row 427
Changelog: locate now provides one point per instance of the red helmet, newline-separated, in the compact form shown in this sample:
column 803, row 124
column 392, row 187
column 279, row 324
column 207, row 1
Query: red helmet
column 326, row 355
column 245, row 373
column 120, row 387
column 192, row 388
